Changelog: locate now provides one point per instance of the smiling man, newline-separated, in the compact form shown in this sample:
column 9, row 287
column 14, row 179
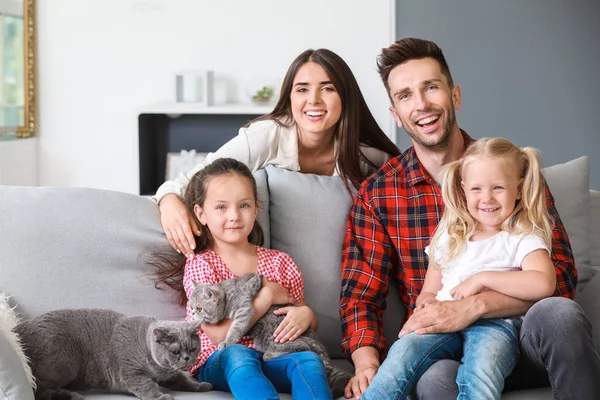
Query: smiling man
column 391, row 221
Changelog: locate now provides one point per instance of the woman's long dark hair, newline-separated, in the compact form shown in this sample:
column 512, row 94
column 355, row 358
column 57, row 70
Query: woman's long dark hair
column 356, row 125
column 170, row 265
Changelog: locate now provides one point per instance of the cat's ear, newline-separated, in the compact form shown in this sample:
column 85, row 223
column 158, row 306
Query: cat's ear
column 195, row 283
column 159, row 334
column 211, row 293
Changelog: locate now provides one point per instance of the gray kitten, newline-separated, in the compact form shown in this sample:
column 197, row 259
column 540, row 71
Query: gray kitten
column 232, row 298
column 101, row 349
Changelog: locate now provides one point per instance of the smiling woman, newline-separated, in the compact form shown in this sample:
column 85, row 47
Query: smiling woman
column 320, row 125
column 17, row 68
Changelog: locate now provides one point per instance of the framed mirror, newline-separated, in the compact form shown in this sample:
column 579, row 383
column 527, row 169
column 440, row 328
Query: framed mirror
column 17, row 68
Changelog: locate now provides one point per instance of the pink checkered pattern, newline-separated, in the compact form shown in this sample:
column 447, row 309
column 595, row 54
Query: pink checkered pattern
column 207, row 267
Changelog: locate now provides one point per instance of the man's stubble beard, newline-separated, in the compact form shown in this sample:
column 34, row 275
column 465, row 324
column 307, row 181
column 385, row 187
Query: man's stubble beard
column 444, row 141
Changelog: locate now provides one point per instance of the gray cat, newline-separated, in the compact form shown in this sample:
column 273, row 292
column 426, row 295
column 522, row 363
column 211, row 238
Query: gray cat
column 232, row 298
column 101, row 349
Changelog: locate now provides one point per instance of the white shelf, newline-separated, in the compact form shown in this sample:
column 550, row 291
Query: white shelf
column 195, row 108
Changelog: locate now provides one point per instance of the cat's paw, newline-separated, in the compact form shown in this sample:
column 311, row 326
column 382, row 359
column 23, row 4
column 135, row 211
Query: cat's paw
column 165, row 397
column 338, row 384
column 200, row 387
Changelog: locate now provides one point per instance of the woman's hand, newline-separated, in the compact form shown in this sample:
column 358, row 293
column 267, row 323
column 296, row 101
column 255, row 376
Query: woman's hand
column 178, row 224
column 296, row 322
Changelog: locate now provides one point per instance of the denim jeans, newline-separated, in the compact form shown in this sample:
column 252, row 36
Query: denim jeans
column 241, row 371
column 557, row 349
column 488, row 349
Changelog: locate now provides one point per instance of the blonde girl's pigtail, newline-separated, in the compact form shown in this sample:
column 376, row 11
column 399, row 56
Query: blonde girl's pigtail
column 533, row 196
column 455, row 220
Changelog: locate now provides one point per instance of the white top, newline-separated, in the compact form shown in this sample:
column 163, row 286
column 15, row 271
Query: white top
column 262, row 143
column 501, row 252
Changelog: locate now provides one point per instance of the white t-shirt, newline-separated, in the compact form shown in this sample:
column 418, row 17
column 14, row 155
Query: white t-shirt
column 501, row 252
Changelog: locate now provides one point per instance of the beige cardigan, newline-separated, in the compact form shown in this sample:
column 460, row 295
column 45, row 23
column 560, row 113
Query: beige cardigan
column 262, row 143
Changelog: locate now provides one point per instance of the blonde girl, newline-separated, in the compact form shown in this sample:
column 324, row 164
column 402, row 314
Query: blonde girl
column 495, row 234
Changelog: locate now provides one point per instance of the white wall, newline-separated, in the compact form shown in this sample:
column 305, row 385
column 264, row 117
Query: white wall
column 101, row 61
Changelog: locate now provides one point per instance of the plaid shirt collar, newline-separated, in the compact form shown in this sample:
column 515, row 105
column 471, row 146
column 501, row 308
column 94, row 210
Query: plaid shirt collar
column 415, row 173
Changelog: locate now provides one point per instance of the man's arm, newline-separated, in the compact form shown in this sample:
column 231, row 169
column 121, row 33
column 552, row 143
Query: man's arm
column 365, row 285
column 366, row 273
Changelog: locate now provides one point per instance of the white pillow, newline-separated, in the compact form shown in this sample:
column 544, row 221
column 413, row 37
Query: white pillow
column 595, row 228
column 569, row 183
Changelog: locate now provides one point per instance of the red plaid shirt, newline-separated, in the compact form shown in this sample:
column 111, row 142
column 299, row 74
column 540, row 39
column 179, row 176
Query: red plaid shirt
column 391, row 221
column 208, row 268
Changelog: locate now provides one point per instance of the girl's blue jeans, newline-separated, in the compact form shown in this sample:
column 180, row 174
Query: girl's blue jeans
column 241, row 371
column 488, row 351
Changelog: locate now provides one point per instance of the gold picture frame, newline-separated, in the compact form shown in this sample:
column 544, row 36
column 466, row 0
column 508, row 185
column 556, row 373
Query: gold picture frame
column 29, row 52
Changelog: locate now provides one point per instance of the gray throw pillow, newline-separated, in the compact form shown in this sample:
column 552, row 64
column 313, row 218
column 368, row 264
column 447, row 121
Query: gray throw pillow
column 308, row 221
column 309, row 215
column 570, row 186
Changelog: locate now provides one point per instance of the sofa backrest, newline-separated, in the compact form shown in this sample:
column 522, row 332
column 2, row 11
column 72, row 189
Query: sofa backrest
column 80, row 248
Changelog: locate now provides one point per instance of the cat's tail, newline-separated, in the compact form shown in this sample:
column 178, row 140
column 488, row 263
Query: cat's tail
column 336, row 378
column 8, row 321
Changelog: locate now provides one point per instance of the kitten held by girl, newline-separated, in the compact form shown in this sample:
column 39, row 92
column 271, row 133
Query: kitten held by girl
column 495, row 234
column 223, row 199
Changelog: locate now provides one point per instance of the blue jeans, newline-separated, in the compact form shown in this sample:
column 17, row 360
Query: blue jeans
column 488, row 349
column 241, row 371
column 557, row 349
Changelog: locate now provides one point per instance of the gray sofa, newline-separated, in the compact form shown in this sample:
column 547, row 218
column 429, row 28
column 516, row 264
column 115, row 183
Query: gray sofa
column 77, row 247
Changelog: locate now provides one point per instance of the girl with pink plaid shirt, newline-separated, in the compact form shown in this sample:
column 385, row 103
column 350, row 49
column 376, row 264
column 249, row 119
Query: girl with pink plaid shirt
column 223, row 199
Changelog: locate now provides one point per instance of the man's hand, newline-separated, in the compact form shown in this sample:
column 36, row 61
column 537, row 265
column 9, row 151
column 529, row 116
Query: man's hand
column 442, row 317
column 179, row 224
column 470, row 286
column 360, row 381
column 366, row 362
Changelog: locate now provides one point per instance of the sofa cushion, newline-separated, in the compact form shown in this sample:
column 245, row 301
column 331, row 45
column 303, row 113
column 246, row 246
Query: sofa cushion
column 588, row 296
column 308, row 221
column 75, row 247
column 570, row 186
column 595, row 228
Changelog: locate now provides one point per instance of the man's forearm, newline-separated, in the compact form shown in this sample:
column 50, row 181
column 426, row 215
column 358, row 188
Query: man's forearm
column 491, row 304
column 366, row 356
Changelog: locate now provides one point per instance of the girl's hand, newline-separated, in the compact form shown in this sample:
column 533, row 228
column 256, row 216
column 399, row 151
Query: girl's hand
column 278, row 293
column 178, row 224
column 470, row 286
column 422, row 304
column 295, row 323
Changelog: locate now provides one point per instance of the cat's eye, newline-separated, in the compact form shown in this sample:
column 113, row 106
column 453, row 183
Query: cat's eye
column 199, row 309
column 194, row 349
column 176, row 352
